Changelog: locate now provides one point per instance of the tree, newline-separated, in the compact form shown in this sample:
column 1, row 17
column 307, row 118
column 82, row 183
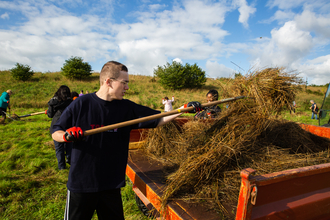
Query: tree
column 177, row 76
column 22, row 72
column 75, row 68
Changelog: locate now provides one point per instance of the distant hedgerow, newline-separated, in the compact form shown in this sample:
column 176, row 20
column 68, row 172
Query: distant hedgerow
column 75, row 68
column 21, row 72
column 177, row 76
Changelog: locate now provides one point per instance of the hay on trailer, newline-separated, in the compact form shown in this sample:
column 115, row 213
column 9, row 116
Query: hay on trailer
column 205, row 158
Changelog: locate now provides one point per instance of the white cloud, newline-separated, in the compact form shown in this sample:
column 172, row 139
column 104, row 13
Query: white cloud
column 319, row 24
column 216, row 70
column 290, row 45
column 172, row 33
column 5, row 16
column 317, row 70
column 156, row 7
column 285, row 4
column 178, row 60
column 245, row 11
column 280, row 16
column 323, row 6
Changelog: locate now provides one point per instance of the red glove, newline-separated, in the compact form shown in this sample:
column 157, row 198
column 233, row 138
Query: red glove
column 46, row 111
column 73, row 134
column 197, row 107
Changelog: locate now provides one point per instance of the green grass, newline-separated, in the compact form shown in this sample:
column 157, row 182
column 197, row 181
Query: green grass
column 31, row 187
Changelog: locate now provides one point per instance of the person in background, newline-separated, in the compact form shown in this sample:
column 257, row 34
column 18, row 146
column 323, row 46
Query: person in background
column 86, row 92
column 99, row 161
column 168, row 104
column 74, row 95
column 313, row 107
column 5, row 103
column 293, row 107
column 211, row 111
column 81, row 93
column 56, row 105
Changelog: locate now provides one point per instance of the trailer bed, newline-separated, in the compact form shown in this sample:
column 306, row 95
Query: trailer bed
column 299, row 194
column 148, row 182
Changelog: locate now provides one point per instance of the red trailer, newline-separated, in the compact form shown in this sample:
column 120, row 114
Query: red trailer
column 301, row 194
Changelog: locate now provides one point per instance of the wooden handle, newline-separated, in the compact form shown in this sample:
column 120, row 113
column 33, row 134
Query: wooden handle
column 152, row 117
column 36, row 113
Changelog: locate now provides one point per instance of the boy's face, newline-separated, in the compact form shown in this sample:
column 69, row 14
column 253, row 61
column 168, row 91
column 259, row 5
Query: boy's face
column 120, row 85
column 210, row 98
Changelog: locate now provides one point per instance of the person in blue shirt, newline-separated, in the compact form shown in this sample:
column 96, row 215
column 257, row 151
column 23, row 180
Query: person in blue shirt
column 98, row 161
column 4, row 102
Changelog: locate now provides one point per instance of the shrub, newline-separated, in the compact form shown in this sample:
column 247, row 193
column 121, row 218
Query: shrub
column 308, row 91
column 21, row 72
column 177, row 76
column 75, row 68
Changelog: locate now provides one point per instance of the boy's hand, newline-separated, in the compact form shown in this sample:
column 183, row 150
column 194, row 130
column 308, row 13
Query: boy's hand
column 73, row 134
column 197, row 107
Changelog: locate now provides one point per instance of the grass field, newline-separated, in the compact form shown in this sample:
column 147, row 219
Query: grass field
column 31, row 187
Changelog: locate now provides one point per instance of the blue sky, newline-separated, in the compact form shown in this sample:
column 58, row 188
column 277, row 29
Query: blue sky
column 222, row 37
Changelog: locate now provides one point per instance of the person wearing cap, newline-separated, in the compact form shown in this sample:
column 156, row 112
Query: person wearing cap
column 4, row 102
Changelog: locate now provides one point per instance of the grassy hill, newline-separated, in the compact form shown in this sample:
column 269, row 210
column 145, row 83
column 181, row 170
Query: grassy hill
column 31, row 187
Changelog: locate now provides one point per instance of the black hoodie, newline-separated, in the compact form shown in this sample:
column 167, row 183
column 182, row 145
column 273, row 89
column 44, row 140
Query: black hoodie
column 55, row 109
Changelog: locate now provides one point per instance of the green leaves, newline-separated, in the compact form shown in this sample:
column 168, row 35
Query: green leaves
column 176, row 76
column 75, row 68
column 21, row 72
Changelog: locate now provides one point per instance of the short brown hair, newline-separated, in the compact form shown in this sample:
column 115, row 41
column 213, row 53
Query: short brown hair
column 111, row 69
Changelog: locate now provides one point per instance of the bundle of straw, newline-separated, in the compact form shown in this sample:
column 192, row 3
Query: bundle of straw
column 207, row 156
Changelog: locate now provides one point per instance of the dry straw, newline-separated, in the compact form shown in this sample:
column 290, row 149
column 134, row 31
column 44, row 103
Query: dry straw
column 203, row 159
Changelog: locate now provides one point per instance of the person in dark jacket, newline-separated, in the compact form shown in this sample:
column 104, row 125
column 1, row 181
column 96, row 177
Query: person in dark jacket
column 211, row 111
column 56, row 106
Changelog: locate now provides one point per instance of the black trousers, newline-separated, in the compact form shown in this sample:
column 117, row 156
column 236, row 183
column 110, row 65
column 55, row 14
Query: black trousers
column 62, row 150
column 81, row 206
column 2, row 112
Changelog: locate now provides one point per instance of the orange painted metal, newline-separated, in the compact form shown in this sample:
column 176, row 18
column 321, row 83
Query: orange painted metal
column 146, row 176
column 244, row 208
column 150, row 194
column 302, row 193
column 318, row 130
